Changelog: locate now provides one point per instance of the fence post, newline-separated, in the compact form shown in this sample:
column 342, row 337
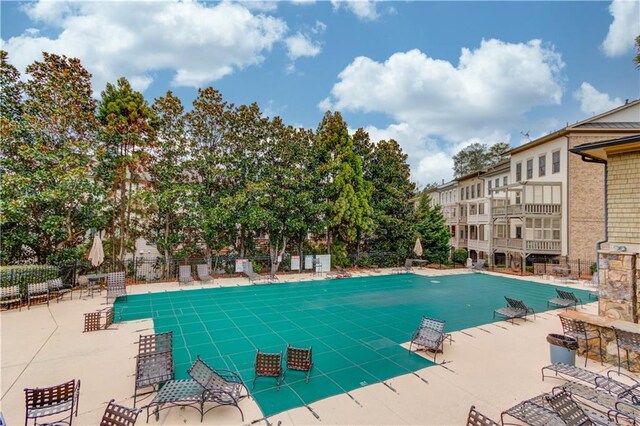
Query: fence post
column 579, row 269
column 135, row 268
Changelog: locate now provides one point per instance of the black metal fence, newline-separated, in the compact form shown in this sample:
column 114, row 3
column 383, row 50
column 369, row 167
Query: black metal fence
column 569, row 268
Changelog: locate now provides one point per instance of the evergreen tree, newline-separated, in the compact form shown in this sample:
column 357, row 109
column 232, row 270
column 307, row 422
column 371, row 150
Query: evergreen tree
column 393, row 215
column 432, row 230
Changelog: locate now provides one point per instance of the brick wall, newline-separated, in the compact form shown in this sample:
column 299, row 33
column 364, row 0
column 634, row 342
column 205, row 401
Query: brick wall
column 586, row 202
column 624, row 198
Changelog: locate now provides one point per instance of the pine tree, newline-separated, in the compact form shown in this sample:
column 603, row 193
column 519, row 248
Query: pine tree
column 432, row 230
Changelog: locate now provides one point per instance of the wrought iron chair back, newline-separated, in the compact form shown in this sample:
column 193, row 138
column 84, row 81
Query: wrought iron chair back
column 573, row 328
column 160, row 342
column 478, row 419
column 11, row 294
column 433, row 324
column 268, row 365
column 568, row 410
column 44, row 402
column 116, row 285
column 118, row 415
column 203, row 272
column 300, row 359
column 567, row 295
column 629, row 341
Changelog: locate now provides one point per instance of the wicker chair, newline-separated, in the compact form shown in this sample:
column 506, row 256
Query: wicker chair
column 11, row 295
column 37, row 292
column 629, row 341
column 568, row 410
column 45, row 402
column 57, row 290
column 299, row 359
column 154, row 364
column 478, row 419
column 221, row 387
column 116, row 286
column 578, row 330
column 118, row 415
column 203, row 273
column 565, row 299
column 268, row 365
column 184, row 275
column 429, row 335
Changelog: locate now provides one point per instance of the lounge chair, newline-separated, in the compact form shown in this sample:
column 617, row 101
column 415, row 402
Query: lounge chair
column 221, row 387
column 45, row 402
column 567, row 409
column 116, row 285
column 299, row 359
column 479, row 265
column 118, row 415
column 406, row 269
column 247, row 270
column 154, row 364
column 37, row 292
column 184, row 276
column 268, row 365
column 476, row 418
column 514, row 309
column 339, row 273
column 629, row 341
column 565, row 299
column 429, row 336
column 10, row 295
column 578, row 330
column 203, row 273
column 57, row 290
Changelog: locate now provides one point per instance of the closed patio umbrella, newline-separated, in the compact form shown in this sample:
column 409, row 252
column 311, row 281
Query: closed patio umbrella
column 417, row 249
column 96, row 255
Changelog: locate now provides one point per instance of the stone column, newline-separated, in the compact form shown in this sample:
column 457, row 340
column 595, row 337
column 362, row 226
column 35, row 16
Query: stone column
column 619, row 293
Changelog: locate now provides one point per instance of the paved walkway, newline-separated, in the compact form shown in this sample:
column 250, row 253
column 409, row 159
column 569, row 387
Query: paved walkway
column 493, row 367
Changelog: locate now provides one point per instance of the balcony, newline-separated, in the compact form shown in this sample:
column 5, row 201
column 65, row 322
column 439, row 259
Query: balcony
column 479, row 245
column 478, row 218
column 529, row 246
column 538, row 209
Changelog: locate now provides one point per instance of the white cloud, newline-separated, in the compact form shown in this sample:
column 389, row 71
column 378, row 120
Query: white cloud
column 594, row 102
column 365, row 10
column 262, row 6
column 200, row 43
column 300, row 45
column 483, row 98
column 624, row 28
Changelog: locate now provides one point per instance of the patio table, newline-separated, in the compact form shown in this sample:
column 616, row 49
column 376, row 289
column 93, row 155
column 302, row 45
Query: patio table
column 97, row 278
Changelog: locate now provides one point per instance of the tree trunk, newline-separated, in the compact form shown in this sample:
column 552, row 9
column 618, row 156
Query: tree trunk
column 242, row 238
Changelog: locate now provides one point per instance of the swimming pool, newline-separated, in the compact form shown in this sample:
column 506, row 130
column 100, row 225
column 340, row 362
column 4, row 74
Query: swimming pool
column 354, row 325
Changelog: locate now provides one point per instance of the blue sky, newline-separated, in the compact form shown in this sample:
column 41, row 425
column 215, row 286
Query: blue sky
column 436, row 76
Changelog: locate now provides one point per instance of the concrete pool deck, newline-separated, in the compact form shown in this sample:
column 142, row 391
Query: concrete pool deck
column 494, row 367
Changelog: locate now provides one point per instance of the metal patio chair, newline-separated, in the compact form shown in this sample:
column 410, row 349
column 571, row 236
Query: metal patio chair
column 407, row 268
column 37, row 292
column 184, row 275
column 57, row 289
column 118, row 415
column 565, row 299
column 87, row 285
column 629, row 341
column 514, row 309
column 578, row 330
column 568, row 410
column 45, row 402
column 203, row 273
column 154, row 363
column 221, row 387
column 476, row 418
column 116, row 285
column 10, row 295
column 429, row 336
column 247, row 270
column 268, row 365
column 299, row 359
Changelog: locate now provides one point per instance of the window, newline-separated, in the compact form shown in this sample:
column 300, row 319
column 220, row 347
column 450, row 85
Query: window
column 530, row 168
column 461, row 193
column 479, row 190
column 555, row 160
column 489, row 185
column 497, row 182
column 542, row 165
column 518, row 172
column 466, row 193
column 518, row 197
column 519, row 232
column 505, row 180
column 473, row 191
column 481, row 208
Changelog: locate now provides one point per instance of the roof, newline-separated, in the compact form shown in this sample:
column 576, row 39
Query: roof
column 597, row 151
column 588, row 124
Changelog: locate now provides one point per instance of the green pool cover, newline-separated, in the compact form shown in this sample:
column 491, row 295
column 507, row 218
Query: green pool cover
column 354, row 325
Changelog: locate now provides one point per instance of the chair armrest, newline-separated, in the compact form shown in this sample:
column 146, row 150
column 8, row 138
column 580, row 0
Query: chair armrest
column 229, row 375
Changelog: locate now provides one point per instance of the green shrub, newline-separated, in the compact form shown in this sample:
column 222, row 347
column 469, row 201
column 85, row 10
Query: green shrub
column 460, row 256
column 593, row 268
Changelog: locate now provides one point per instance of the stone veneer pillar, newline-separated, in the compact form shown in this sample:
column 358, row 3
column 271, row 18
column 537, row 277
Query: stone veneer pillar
column 619, row 292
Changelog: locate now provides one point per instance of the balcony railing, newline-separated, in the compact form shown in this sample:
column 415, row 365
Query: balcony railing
column 527, row 209
column 536, row 246
column 478, row 245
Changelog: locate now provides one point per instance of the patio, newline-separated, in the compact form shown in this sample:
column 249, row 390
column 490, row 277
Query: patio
column 56, row 350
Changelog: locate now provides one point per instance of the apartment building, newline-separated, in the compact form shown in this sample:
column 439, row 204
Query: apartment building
column 540, row 202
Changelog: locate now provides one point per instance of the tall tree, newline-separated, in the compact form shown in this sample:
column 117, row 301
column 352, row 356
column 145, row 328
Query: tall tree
column 345, row 191
column 636, row 59
column 52, row 189
column 476, row 157
column 127, row 134
column 393, row 213
column 170, row 195
column 432, row 230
